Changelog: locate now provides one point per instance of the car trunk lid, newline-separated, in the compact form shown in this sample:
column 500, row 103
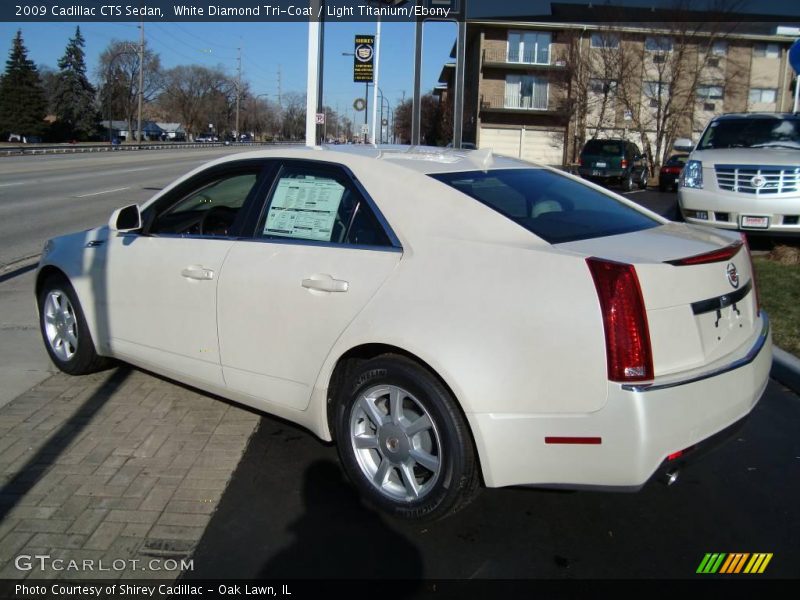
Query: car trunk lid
column 696, row 286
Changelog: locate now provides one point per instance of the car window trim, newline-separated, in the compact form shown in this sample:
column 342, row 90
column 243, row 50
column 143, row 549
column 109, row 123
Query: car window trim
column 257, row 216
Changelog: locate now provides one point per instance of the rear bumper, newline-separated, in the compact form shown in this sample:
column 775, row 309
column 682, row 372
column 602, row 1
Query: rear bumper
column 639, row 427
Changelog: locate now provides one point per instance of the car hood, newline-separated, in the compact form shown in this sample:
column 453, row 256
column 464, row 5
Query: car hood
column 748, row 156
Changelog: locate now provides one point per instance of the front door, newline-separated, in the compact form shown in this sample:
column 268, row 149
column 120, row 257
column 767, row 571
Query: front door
column 160, row 292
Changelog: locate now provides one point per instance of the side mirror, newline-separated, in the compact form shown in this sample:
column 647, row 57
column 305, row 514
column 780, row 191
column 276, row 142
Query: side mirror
column 128, row 218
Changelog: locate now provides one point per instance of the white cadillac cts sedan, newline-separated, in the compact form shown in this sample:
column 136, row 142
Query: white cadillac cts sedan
column 448, row 318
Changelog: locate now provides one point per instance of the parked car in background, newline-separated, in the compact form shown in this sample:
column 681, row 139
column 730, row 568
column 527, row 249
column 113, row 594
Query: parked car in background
column 744, row 174
column 447, row 318
column 670, row 172
column 206, row 137
column 614, row 161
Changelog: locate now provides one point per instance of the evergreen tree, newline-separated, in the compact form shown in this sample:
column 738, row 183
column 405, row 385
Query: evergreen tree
column 74, row 95
column 22, row 100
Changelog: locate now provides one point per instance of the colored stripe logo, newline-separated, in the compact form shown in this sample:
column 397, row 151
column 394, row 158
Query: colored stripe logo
column 734, row 563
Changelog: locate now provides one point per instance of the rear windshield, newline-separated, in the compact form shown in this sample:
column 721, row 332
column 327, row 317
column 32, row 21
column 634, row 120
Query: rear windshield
column 603, row 148
column 554, row 207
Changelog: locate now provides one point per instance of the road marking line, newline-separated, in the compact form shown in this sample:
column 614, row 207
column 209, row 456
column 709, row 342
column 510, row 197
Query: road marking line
column 103, row 192
column 634, row 192
column 16, row 183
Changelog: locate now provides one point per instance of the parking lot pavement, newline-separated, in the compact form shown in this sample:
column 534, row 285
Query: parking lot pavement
column 117, row 466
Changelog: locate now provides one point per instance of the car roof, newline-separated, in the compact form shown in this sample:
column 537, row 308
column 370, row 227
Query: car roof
column 426, row 160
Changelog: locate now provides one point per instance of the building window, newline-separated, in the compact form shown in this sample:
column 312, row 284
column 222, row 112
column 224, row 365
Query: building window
column 709, row 106
column 655, row 89
column 713, row 63
column 658, row 44
column 605, row 40
column 526, row 91
column 603, row 86
column 762, row 95
column 719, row 48
column 766, row 50
column 710, row 92
column 529, row 47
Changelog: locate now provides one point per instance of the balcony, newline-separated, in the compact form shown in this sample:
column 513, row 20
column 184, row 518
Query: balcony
column 525, row 61
column 515, row 103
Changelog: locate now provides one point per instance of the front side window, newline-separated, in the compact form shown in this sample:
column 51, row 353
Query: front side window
column 529, row 47
column 552, row 206
column 319, row 204
column 209, row 207
column 526, row 91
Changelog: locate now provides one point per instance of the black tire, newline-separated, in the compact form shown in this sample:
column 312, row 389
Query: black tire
column 662, row 187
column 643, row 180
column 77, row 357
column 627, row 183
column 446, row 485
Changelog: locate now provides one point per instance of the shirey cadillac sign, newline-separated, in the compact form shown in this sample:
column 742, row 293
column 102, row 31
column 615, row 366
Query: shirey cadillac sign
column 363, row 60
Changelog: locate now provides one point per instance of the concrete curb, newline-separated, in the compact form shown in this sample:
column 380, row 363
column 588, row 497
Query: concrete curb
column 786, row 369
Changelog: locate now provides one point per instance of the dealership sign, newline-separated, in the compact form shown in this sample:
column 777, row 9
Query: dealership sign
column 363, row 61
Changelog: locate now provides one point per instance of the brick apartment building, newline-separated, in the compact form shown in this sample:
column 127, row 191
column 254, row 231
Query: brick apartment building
column 538, row 88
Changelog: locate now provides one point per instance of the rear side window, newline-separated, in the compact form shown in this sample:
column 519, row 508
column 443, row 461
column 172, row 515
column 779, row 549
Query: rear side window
column 316, row 204
column 552, row 206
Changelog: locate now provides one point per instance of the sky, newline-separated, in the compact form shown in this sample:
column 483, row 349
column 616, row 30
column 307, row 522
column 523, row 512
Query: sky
column 266, row 49
column 269, row 47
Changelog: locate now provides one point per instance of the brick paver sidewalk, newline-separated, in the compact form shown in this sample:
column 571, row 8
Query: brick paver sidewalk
column 116, row 466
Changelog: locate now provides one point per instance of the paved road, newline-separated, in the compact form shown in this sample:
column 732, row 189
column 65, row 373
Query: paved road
column 45, row 196
column 288, row 513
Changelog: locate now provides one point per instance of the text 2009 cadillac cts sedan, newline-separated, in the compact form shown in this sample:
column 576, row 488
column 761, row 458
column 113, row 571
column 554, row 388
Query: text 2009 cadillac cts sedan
column 449, row 318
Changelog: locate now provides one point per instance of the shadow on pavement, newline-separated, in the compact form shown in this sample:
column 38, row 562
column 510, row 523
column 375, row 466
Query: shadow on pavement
column 290, row 513
column 36, row 467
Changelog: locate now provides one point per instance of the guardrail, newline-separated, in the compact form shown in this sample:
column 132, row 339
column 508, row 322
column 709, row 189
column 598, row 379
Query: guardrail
column 80, row 148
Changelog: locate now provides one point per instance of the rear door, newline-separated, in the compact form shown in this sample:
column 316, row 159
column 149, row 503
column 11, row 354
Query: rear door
column 318, row 253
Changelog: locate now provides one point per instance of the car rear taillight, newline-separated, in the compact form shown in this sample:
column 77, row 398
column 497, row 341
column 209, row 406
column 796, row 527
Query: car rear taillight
column 721, row 255
column 624, row 163
column 752, row 273
column 628, row 351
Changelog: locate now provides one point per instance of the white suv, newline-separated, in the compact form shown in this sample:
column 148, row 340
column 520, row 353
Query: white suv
column 745, row 174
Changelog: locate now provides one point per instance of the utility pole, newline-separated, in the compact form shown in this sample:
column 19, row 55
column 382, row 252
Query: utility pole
column 375, row 124
column 279, row 87
column 141, row 81
column 238, row 89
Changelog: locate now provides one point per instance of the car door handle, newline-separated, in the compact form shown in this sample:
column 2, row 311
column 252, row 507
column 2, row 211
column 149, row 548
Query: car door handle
column 197, row 272
column 325, row 283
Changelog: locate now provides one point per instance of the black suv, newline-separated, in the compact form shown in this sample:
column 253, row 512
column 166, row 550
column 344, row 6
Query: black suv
column 614, row 161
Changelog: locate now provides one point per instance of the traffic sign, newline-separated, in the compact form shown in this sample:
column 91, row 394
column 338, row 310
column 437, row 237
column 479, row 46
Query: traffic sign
column 365, row 129
column 320, row 118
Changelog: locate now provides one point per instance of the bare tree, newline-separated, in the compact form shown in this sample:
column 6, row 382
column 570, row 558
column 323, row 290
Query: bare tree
column 651, row 83
column 196, row 96
column 118, row 69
